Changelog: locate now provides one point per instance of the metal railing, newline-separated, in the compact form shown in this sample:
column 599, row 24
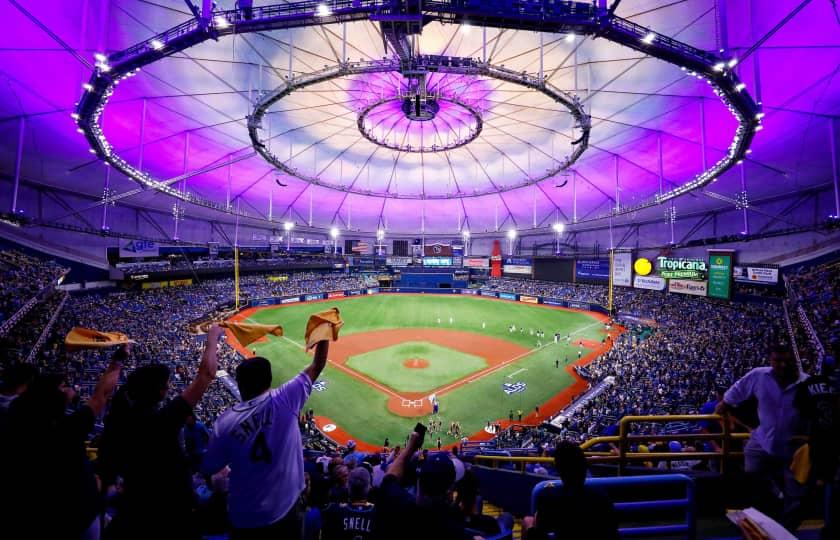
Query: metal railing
column 621, row 455
column 687, row 527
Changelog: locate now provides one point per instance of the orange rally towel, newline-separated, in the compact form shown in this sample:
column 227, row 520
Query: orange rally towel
column 85, row 338
column 247, row 333
column 800, row 466
column 323, row 326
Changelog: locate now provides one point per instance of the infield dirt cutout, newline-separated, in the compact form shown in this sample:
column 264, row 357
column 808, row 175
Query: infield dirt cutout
column 416, row 363
column 496, row 352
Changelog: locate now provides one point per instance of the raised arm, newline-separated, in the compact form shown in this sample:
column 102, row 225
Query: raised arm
column 108, row 382
column 206, row 370
column 397, row 467
column 322, row 348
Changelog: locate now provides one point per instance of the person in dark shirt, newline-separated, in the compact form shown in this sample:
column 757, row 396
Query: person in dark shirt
column 818, row 399
column 353, row 520
column 466, row 499
column 571, row 510
column 141, row 444
column 53, row 491
column 428, row 514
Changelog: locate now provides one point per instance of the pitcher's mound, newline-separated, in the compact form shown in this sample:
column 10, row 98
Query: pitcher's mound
column 416, row 363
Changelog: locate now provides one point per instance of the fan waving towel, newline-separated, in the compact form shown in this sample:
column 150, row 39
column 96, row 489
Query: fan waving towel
column 85, row 338
column 247, row 333
column 323, row 326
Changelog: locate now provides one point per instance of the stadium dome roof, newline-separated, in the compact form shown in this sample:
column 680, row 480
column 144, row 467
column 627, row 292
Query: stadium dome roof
column 493, row 149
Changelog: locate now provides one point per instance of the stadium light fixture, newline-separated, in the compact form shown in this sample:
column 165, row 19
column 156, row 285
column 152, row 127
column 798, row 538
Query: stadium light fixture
column 759, row 116
column 380, row 234
column 649, row 38
column 570, row 37
column 719, row 66
column 511, row 234
column 558, row 227
column 156, row 44
column 323, row 10
column 465, row 233
column 87, row 86
column 221, row 22
column 288, row 226
column 465, row 28
column 100, row 58
column 740, row 86
column 732, row 63
column 334, row 232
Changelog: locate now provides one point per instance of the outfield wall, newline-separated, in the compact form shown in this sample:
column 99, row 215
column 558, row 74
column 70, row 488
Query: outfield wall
column 501, row 295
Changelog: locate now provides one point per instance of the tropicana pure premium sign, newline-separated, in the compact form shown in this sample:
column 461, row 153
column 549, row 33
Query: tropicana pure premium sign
column 681, row 268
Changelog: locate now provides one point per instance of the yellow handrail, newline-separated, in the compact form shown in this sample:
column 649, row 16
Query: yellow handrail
column 623, row 456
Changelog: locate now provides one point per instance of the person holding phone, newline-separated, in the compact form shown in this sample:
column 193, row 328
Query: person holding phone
column 429, row 514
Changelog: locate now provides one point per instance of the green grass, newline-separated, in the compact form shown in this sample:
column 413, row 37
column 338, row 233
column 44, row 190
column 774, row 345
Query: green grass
column 361, row 410
column 445, row 366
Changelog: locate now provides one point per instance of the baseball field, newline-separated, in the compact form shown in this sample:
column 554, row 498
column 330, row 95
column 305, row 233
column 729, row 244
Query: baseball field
column 395, row 351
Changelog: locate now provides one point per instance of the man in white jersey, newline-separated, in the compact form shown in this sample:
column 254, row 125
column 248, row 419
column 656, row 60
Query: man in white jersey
column 260, row 440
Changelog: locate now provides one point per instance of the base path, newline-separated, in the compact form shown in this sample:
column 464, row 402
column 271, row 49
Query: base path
column 496, row 352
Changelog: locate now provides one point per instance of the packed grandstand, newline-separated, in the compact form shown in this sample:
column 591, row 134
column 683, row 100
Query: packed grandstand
column 676, row 357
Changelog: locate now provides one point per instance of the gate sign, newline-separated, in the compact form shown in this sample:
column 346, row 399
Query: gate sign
column 681, row 268
column 139, row 248
column 622, row 268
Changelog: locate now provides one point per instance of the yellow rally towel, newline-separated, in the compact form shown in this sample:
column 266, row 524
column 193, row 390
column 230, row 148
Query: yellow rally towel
column 247, row 333
column 85, row 338
column 800, row 465
column 323, row 326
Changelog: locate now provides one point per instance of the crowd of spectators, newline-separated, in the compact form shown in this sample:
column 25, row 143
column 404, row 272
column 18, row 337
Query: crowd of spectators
column 817, row 290
column 21, row 278
column 249, row 263
column 579, row 292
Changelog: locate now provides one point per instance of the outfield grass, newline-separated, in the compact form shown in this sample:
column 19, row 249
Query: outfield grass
column 361, row 410
column 445, row 366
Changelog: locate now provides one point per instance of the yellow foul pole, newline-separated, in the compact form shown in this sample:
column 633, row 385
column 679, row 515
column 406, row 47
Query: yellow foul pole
column 236, row 275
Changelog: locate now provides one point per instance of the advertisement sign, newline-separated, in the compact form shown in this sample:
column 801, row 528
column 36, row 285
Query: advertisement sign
column 310, row 297
column 768, row 275
column 469, row 291
column 180, row 282
column 139, row 277
column 373, row 291
column 622, row 270
column 475, row 262
column 528, row 299
column 594, row 269
column 398, row 261
column 291, row 300
column 720, row 275
column 337, row 294
column 673, row 268
column 517, row 261
column 579, row 305
column 278, row 278
column 489, row 293
column 437, row 261
column 507, row 296
column 437, row 250
column 354, row 293
column 686, row 286
column 516, row 269
column 139, row 248
column 653, row 283
column 643, row 266
column 554, row 302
